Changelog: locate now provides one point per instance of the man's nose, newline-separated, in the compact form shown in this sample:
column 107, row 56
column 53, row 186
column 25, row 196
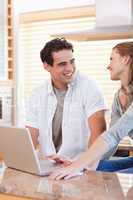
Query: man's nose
column 69, row 67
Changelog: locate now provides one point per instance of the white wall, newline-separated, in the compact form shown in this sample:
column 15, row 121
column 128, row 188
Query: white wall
column 112, row 16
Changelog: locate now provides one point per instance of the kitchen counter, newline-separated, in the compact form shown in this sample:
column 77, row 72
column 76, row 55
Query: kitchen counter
column 15, row 185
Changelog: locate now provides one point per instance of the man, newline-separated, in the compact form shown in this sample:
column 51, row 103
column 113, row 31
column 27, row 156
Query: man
column 65, row 114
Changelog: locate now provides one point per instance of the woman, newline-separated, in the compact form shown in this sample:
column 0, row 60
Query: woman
column 121, row 68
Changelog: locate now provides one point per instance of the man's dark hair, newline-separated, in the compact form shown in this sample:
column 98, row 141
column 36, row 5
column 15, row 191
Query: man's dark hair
column 54, row 45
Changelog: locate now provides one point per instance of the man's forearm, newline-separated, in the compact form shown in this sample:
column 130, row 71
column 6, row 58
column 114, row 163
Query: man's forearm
column 97, row 125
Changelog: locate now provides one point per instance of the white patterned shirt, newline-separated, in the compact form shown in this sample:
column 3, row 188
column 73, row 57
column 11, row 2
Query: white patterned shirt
column 83, row 99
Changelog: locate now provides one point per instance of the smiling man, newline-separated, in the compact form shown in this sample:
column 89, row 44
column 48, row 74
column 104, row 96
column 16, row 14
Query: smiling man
column 65, row 114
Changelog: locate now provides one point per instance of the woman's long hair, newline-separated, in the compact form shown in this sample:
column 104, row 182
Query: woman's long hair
column 126, row 49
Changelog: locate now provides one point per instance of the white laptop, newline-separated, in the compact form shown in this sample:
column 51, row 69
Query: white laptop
column 19, row 153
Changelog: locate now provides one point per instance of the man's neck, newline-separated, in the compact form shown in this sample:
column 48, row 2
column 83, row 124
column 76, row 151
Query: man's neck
column 60, row 87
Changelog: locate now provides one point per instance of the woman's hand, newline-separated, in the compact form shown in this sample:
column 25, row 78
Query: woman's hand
column 74, row 169
column 67, row 172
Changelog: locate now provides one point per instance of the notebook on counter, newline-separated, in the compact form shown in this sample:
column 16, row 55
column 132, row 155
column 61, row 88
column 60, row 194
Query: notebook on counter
column 18, row 151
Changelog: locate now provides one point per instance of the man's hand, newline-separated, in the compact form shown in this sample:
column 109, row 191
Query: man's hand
column 60, row 159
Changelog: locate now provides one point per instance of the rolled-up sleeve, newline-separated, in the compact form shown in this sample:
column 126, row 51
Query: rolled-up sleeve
column 122, row 128
column 96, row 101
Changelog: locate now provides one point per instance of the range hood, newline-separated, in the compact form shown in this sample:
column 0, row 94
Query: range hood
column 114, row 20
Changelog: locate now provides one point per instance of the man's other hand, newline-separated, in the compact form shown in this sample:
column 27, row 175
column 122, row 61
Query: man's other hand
column 60, row 159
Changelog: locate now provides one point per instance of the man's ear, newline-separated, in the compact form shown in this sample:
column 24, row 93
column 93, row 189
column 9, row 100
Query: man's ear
column 127, row 59
column 46, row 66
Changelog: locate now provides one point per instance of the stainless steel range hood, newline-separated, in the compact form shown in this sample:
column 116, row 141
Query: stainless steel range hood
column 114, row 20
column 100, row 33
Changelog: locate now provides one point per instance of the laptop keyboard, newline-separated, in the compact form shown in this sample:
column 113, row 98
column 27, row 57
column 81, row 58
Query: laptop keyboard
column 48, row 166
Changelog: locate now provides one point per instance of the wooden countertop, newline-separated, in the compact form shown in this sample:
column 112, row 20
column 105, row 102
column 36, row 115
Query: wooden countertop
column 90, row 186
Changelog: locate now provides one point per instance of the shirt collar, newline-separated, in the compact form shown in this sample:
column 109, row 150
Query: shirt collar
column 50, row 87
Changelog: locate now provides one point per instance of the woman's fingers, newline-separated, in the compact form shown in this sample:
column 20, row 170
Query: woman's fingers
column 65, row 173
column 57, row 175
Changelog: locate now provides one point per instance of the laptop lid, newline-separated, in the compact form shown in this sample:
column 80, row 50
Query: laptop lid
column 17, row 148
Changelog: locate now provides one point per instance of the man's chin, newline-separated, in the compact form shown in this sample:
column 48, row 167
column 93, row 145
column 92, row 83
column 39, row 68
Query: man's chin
column 114, row 79
column 69, row 80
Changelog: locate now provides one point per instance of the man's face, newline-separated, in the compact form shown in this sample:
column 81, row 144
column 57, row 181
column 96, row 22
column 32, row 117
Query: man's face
column 63, row 68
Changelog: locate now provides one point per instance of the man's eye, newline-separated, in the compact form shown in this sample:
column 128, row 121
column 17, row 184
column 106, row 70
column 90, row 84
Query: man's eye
column 62, row 64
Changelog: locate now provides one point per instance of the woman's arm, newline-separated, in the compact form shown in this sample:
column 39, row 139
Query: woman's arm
column 115, row 116
column 107, row 140
column 88, row 160
column 120, row 129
